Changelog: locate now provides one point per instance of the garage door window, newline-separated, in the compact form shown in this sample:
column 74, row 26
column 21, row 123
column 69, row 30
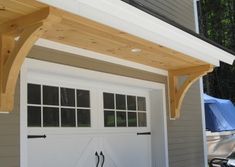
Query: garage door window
column 122, row 110
column 52, row 106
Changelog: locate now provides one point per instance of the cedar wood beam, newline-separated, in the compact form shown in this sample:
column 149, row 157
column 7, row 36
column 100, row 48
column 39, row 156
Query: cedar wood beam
column 177, row 92
column 19, row 35
column 16, row 39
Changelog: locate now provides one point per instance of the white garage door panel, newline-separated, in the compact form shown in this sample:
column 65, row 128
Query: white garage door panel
column 82, row 115
column 62, row 151
column 127, row 151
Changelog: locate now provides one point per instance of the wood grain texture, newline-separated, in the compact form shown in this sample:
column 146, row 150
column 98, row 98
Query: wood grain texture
column 84, row 33
column 12, row 9
column 177, row 91
column 17, row 36
column 27, row 18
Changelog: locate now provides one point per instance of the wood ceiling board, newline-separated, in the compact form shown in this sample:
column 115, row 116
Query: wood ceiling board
column 116, row 43
column 102, row 48
column 116, row 33
column 122, row 40
column 84, row 33
column 108, row 47
column 103, row 28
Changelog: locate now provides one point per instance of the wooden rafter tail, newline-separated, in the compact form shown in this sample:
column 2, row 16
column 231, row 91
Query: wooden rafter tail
column 177, row 92
column 17, row 38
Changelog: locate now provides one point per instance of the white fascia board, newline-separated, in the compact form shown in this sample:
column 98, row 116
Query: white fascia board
column 124, row 17
column 98, row 56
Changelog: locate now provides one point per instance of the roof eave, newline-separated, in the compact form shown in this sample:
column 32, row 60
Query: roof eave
column 124, row 17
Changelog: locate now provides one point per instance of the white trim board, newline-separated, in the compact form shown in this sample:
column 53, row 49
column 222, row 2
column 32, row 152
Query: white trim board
column 64, row 70
column 203, row 122
column 98, row 56
column 201, row 91
column 127, row 18
column 23, row 116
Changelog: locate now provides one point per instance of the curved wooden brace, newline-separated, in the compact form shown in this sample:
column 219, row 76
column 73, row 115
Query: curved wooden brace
column 16, row 39
column 13, row 63
column 177, row 92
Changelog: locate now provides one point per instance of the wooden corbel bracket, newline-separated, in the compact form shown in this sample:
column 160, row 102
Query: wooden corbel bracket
column 177, row 91
column 16, row 39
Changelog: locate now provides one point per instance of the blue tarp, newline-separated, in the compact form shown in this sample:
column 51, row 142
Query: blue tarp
column 219, row 113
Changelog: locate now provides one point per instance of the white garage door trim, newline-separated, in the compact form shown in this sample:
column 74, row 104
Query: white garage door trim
column 62, row 70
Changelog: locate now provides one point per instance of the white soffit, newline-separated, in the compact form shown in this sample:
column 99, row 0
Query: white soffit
column 94, row 55
column 124, row 17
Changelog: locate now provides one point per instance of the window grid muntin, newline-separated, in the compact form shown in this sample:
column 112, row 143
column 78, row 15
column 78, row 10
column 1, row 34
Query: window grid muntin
column 75, row 94
column 59, row 93
column 126, row 110
column 136, row 108
column 127, row 124
column 115, row 112
column 41, row 106
column 89, row 108
column 59, row 106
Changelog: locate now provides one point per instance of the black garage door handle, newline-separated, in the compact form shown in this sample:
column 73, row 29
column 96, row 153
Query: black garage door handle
column 98, row 159
column 101, row 154
column 144, row 133
column 36, row 136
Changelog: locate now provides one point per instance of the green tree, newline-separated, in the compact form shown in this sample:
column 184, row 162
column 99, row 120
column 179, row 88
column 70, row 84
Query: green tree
column 217, row 22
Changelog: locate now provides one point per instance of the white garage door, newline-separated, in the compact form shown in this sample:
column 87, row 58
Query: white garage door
column 77, row 122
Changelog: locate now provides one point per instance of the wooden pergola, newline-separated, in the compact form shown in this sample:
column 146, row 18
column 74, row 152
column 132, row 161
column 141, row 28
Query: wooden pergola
column 22, row 22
